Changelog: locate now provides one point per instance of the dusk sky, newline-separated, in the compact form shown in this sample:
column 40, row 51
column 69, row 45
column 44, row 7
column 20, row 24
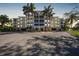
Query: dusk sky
column 15, row 9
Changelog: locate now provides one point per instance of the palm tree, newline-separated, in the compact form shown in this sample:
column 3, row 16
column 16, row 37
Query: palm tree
column 29, row 9
column 48, row 12
column 3, row 19
column 32, row 8
column 26, row 9
column 70, row 18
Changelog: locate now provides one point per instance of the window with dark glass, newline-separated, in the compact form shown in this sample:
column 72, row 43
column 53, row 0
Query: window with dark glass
column 41, row 20
column 35, row 20
column 36, row 24
column 41, row 24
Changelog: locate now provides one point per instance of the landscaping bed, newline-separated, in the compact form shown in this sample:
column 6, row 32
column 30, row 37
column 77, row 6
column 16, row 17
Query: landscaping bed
column 74, row 33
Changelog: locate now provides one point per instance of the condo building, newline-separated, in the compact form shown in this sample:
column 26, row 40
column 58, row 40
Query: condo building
column 35, row 21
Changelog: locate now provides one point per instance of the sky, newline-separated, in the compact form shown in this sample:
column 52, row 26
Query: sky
column 13, row 10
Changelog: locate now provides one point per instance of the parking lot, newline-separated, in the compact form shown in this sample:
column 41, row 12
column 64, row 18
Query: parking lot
column 38, row 43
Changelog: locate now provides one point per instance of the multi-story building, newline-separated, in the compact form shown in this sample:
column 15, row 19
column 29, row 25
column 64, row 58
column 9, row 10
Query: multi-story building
column 36, row 22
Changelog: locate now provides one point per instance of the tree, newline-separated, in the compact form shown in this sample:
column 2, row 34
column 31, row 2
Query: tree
column 48, row 13
column 70, row 18
column 3, row 19
column 30, row 7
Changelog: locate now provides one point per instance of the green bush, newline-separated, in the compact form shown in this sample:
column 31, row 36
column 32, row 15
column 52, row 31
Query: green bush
column 75, row 29
column 6, row 29
column 74, row 33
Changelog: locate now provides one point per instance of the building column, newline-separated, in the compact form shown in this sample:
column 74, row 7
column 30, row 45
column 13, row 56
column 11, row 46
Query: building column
column 38, row 29
column 44, row 29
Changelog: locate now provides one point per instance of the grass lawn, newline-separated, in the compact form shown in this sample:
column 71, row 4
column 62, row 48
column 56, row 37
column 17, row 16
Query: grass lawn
column 74, row 33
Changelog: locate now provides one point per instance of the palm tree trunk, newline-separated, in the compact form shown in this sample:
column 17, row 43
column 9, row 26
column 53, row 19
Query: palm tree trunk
column 71, row 23
column 28, row 20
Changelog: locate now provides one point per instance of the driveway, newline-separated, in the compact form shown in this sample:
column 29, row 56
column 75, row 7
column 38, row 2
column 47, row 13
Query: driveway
column 38, row 43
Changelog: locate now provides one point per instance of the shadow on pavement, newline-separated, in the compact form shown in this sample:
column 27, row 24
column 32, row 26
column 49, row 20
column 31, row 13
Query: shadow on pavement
column 64, row 46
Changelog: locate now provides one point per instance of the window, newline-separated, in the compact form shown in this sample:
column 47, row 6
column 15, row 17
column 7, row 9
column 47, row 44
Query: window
column 36, row 24
column 35, row 20
column 41, row 24
column 41, row 20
